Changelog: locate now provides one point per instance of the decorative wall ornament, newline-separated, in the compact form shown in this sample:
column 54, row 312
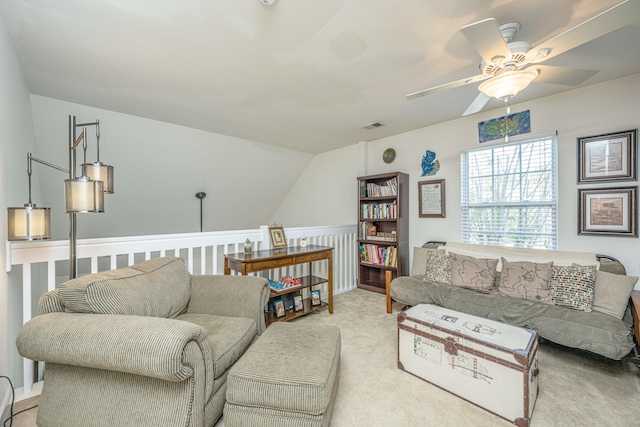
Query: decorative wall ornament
column 389, row 155
column 430, row 166
column 505, row 126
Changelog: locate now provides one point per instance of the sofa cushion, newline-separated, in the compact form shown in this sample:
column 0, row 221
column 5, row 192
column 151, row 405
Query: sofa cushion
column 612, row 292
column 420, row 256
column 573, row 286
column 228, row 337
column 473, row 273
column 159, row 288
column 526, row 280
column 595, row 332
column 438, row 267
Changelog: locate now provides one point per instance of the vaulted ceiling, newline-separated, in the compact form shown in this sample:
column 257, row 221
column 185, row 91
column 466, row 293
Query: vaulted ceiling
column 306, row 75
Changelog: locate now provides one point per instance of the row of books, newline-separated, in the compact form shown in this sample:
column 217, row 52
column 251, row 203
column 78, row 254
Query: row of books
column 379, row 210
column 379, row 255
column 369, row 231
column 389, row 188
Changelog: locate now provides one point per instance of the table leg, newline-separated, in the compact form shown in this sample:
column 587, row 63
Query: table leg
column 330, row 281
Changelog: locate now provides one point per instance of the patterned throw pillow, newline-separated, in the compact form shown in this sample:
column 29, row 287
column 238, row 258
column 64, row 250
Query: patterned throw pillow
column 526, row 280
column 438, row 267
column 573, row 287
column 473, row 273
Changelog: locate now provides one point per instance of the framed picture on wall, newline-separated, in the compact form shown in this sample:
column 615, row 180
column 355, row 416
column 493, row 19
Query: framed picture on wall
column 608, row 211
column 608, row 157
column 431, row 201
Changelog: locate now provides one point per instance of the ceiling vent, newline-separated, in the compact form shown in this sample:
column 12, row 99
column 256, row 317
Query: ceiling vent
column 373, row 125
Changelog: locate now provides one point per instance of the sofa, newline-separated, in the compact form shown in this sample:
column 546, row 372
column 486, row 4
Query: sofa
column 145, row 345
column 575, row 299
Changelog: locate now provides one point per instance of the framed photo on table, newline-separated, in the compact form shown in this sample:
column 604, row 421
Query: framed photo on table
column 315, row 298
column 278, row 306
column 608, row 211
column 608, row 157
column 431, row 199
column 276, row 233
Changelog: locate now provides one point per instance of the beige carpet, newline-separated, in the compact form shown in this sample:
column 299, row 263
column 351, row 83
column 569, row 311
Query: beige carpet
column 576, row 389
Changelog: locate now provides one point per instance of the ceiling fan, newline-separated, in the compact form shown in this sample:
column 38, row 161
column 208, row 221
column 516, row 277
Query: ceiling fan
column 509, row 66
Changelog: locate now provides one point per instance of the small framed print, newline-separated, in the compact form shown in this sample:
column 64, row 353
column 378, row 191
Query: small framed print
column 431, row 199
column 608, row 157
column 278, row 306
column 315, row 298
column 298, row 303
column 276, row 232
column 608, row 211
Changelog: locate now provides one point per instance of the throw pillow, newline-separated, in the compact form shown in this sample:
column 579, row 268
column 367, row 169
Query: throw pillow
column 526, row 280
column 573, row 286
column 438, row 267
column 419, row 265
column 612, row 293
column 468, row 272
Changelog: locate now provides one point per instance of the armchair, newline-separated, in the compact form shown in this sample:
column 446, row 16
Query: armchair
column 146, row 345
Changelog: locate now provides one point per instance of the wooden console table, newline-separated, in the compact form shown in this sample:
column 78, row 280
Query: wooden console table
column 275, row 258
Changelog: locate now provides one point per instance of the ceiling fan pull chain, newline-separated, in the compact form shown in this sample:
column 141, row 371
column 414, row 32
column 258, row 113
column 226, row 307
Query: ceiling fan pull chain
column 506, row 131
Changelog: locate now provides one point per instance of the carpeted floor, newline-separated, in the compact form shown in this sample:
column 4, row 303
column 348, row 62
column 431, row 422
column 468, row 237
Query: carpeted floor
column 576, row 389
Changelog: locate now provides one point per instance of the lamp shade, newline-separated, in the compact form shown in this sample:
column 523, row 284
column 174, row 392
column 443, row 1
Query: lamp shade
column 98, row 171
column 508, row 84
column 83, row 195
column 29, row 223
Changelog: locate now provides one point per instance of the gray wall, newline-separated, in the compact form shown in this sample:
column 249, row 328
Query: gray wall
column 16, row 139
column 159, row 167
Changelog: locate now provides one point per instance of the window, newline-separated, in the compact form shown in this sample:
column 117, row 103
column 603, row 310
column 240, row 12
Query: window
column 509, row 194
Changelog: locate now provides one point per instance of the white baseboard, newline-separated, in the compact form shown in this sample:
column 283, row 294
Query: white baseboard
column 36, row 389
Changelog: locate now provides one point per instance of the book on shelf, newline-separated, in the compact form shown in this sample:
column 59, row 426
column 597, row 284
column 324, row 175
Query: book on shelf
column 378, row 255
column 388, row 188
column 379, row 210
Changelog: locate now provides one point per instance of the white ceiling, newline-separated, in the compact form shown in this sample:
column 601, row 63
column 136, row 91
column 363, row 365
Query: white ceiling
column 301, row 74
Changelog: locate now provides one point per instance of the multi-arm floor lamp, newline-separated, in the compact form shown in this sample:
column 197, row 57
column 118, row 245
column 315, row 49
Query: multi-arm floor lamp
column 83, row 194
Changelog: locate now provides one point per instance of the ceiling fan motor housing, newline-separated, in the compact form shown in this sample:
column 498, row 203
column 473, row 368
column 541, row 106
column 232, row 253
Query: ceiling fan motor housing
column 518, row 55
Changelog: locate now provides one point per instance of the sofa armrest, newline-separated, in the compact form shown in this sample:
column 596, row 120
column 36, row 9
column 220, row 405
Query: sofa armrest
column 234, row 296
column 147, row 346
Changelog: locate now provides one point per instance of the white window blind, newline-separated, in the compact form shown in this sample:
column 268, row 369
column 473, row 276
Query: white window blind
column 510, row 194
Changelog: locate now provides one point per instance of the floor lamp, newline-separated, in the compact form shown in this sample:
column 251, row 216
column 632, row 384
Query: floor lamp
column 83, row 194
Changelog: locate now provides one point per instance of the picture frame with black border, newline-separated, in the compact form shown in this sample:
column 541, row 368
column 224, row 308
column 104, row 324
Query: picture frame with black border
column 278, row 307
column 298, row 303
column 315, row 298
column 608, row 157
column 608, row 211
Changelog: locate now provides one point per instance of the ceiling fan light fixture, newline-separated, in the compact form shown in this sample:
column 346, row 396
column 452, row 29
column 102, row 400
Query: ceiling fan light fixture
column 506, row 85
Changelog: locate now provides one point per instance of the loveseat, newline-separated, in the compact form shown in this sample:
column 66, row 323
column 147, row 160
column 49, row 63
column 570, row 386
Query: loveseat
column 583, row 304
column 145, row 345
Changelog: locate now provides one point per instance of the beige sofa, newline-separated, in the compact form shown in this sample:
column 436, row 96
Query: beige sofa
column 146, row 345
column 602, row 325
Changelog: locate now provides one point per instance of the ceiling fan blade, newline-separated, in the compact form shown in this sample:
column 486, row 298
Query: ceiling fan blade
column 562, row 75
column 446, row 86
column 477, row 104
column 486, row 38
column 610, row 20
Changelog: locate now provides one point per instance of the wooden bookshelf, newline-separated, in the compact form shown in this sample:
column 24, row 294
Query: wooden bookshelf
column 383, row 228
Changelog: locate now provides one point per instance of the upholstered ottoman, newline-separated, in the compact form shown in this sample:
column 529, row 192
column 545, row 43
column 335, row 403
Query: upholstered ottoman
column 287, row 378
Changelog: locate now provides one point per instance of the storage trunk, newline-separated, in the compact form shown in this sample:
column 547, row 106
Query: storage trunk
column 488, row 363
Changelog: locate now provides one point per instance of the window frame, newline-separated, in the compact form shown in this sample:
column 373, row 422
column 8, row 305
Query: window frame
column 546, row 233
